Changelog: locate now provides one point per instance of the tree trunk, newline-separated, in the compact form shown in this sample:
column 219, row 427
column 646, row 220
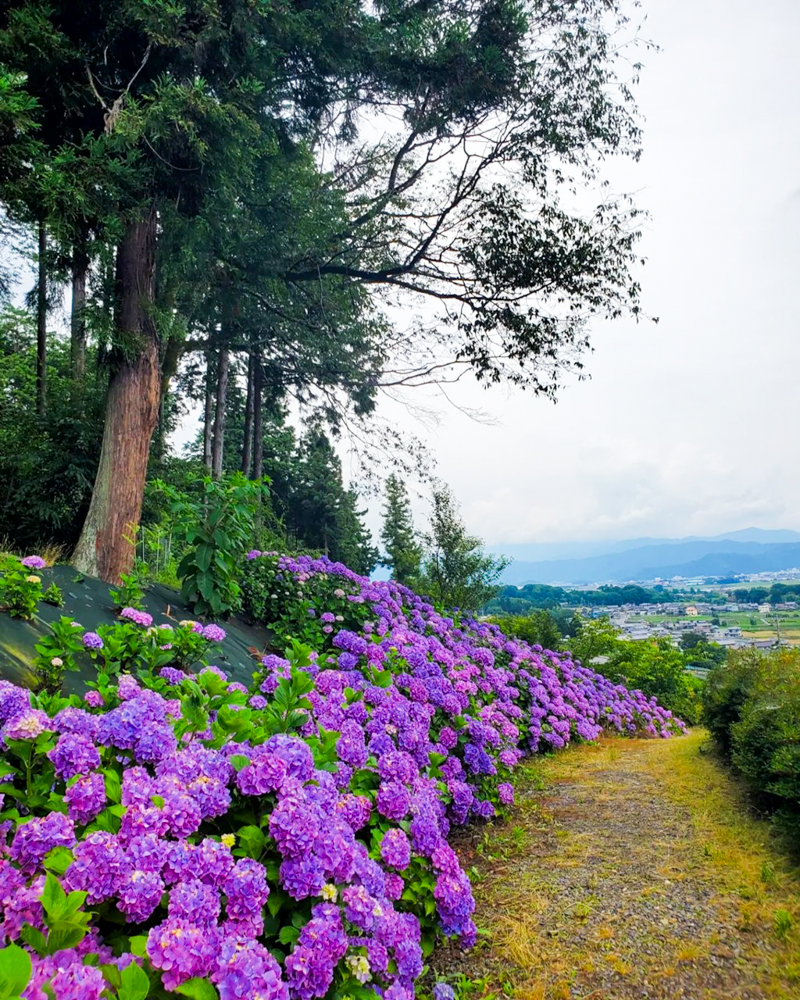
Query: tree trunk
column 105, row 547
column 169, row 366
column 80, row 268
column 247, row 446
column 208, row 413
column 258, row 425
column 41, row 325
column 219, row 412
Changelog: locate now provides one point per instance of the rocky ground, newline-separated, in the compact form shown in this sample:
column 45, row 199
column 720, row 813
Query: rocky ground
column 631, row 869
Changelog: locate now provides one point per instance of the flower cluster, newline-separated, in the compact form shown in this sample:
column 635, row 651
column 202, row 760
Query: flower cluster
column 291, row 837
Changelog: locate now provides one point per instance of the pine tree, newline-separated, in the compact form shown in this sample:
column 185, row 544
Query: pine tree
column 403, row 550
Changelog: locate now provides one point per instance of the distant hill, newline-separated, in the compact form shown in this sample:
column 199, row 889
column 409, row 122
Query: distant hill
column 752, row 550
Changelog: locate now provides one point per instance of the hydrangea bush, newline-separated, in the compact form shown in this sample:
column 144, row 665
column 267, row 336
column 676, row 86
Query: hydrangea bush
column 21, row 585
column 181, row 833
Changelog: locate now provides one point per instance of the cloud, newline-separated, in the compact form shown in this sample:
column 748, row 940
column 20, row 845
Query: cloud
column 686, row 427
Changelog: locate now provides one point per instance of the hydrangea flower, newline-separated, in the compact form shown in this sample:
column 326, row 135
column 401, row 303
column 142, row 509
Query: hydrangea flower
column 213, row 633
column 74, row 754
column 86, row 798
column 33, row 562
column 137, row 617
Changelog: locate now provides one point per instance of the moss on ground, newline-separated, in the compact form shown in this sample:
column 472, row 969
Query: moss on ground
column 631, row 869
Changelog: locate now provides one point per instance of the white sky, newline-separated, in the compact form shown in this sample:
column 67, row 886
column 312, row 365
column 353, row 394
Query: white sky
column 686, row 427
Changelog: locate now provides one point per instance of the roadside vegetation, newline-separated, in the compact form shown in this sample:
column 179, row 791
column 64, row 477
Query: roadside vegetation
column 631, row 869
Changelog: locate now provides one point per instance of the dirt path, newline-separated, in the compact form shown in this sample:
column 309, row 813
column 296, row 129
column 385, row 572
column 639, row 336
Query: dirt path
column 632, row 870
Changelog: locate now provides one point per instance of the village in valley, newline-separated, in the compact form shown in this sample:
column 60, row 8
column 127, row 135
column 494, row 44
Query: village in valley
column 711, row 613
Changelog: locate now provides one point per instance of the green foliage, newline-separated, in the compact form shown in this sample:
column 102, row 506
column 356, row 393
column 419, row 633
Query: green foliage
column 777, row 593
column 217, row 524
column 55, row 654
column 403, row 550
column 20, row 588
column 293, row 608
column 654, row 667
column 213, row 117
column 519, row 600
column 47, row 463
column 699, row 652
column 752, row 707
column 15, row 971
column 783, row 922
column 594, row 637
column 540, row 628
column 659, row 670
column 130, row 592
column 456, row 571
column 726, row 692
column 320, row 512
column 53, row 595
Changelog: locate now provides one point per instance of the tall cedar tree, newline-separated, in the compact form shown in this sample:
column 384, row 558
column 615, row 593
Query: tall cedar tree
column 403, row 550
column 159, row 120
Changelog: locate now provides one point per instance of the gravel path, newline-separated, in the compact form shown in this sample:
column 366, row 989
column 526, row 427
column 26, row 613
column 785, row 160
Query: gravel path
column 601, row 887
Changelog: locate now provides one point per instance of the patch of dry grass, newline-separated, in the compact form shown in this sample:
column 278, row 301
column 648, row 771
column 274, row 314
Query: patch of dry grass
column 575, row 906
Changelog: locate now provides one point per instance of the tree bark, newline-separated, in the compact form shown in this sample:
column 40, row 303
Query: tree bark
column 105, row 548
column 80, row 269
column 247, row 446
column 41, row 325
column 208, row 413
column 218, row 449
column 258, row 425
column 169, row 366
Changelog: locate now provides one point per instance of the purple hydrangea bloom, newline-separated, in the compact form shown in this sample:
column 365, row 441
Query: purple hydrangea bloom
column 393, row 800
column 246, row 890
column 213, row 633
column 245, row 969
column 266, row 772
column 302, row 877
column 86, row 798
column 137, row 617
column 396, row 849
column 27, row 725
column 139, row 893
column 294, row 826
column 505, row 792
column 128, row 687
column 97, row 866
column 36, row 838
column 74, row 754
column 156, row 740
column 13, row 700
column 33, row 562
column 77, row 981
column 196, row 902
column 181, row 950
column 91, row 640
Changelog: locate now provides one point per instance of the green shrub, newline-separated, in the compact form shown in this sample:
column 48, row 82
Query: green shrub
column 726, row 690
column 752, row 707
column 540, row 628
column 659, row 671
column 20, row 586
column 216, row 523
column 656, row 667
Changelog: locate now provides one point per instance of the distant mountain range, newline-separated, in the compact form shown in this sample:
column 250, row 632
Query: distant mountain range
column 751, row 550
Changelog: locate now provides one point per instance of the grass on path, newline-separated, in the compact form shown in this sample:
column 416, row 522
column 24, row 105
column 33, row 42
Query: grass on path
column 631, row 869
